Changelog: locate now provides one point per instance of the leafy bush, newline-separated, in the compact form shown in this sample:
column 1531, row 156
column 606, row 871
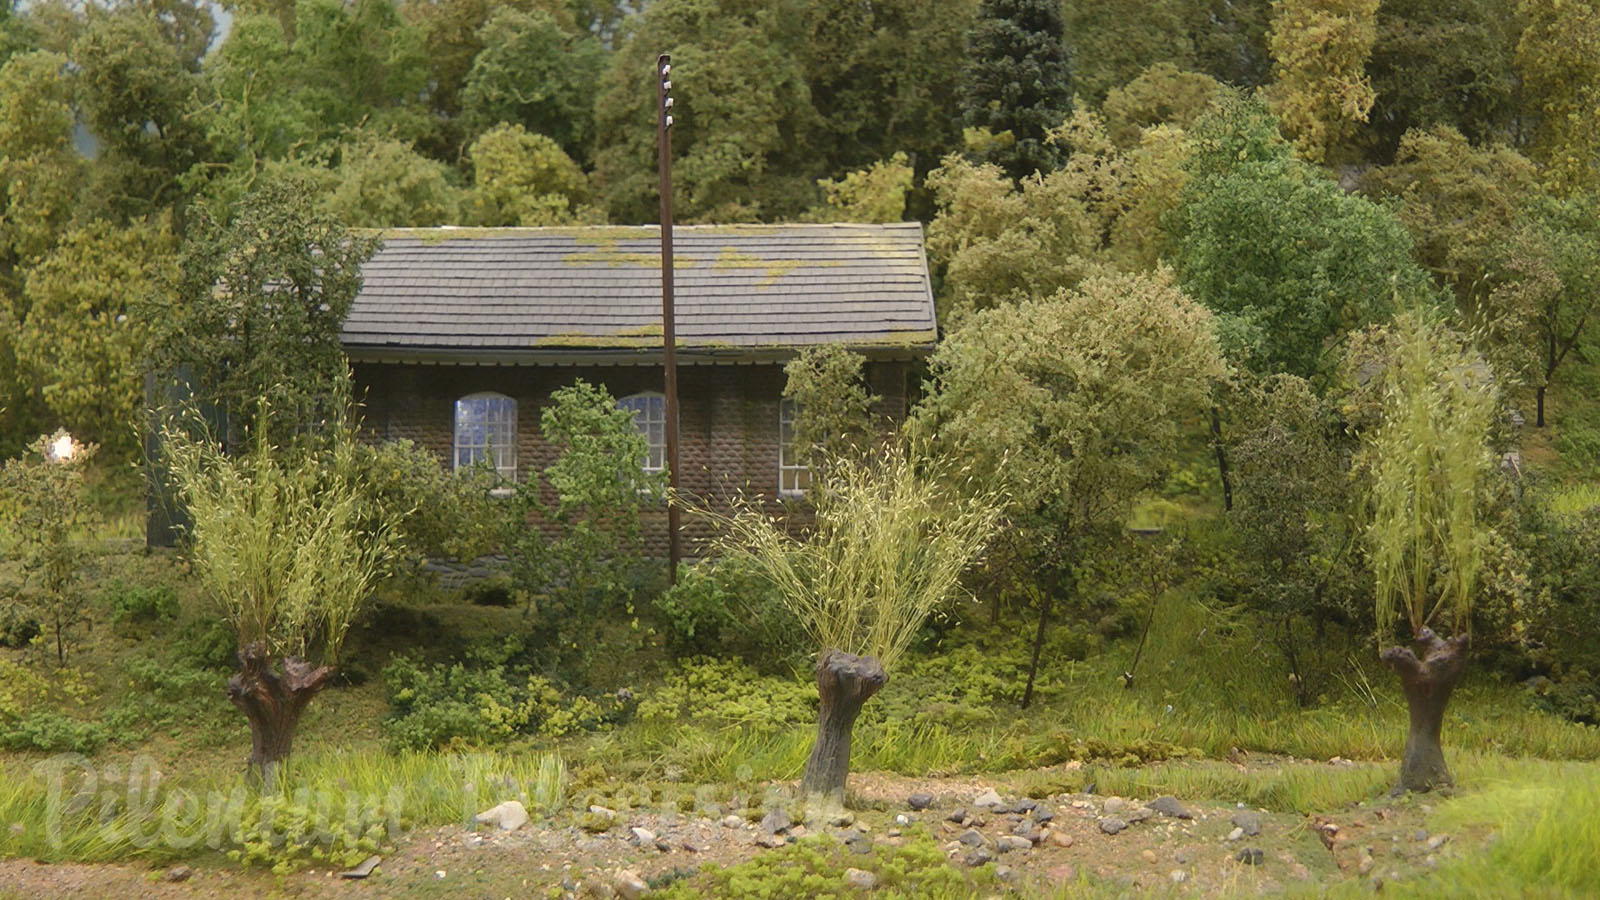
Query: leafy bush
column 168, row 694
column 720, row 606
column 143, row 604
column 287, row 833
column 435, row 513
column 17, row 627
column 728, row 692
column 205, row 644
column 458, row 705
column 815, row 868
column 51, row 732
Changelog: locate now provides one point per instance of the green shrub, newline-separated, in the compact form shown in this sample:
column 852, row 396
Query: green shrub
column 815, row 868
column 728, row 692
column 459, row 705
column 51, row 732
column 142, row 604
column 17, row 627
column 168, row 694
column 720, row 606
column 287, row 833
column 205, row 644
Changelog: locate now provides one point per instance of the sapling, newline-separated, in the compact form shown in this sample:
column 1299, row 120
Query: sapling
column 892, row 535
column 43, row 509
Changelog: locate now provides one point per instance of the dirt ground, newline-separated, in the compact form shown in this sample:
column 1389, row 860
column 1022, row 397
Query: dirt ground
column 1198, row 856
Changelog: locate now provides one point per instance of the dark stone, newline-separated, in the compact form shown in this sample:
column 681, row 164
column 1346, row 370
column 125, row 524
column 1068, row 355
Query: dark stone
column 1043, row 814
column 919, row 802
column 1249, row 821
column 179, row 873
column 1250, row 856
column 776, row 821
column 978, row 857
column 972, row 837
column 1112, row 825
column 1171, row 808
column 959, row 816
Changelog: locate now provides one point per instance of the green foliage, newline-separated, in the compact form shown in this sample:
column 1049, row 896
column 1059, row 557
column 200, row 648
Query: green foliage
column 725, row 693
column 1319, row 261
column 874, row 194
column 1017, row 82
column 1319, row 52
column 44, row 511
column 431, row 512
column 384, row 183
column 893, row 533
column 286, row 832
column 283, row 540
column 1559, row 66
column 1162, row 95
column 260, row 299
column 1429, row 462
column 456, row 706
column 522, row 178
column 141, row 604
column 815, row 868
column 721, row 606
column 828, row 385
column 534, row 72
column 1113, row 40
column 48, row 731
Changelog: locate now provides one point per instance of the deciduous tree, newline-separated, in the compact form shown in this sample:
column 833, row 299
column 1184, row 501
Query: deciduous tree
column 1320, row 88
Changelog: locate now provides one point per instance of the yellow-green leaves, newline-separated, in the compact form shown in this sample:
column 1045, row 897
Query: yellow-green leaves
column 1319, row 51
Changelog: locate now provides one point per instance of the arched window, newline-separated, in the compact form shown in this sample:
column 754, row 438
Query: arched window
column 793, row 476
column 486, row 433
column 650, row 415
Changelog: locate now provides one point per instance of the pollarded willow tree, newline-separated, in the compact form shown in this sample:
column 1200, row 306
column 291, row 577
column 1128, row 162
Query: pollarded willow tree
column 288, row 546
column 1428, row 459
column 893, row 533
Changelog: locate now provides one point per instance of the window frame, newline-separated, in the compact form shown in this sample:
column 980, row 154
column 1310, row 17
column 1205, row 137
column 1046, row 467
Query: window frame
column 501, row 455
column 651, row 402
column 788, row 447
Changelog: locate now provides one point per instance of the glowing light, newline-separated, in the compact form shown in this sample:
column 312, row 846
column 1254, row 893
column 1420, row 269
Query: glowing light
column 62, row 448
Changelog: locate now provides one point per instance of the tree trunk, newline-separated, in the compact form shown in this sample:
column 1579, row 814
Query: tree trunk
column 1222, row 460
column 1045, row 603
column 273, row 703
column 1427, row 684
column 1539, row 417
column 845, row 682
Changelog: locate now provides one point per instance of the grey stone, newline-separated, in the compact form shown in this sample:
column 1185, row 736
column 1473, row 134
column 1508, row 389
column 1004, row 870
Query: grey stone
column 1249, row 821
column 364, row 869
column 860, row 879
column 1010, row 842
column 859, row 845
column 1042, row 814
column 179, row 873
column 731, row 821
column 1178, row 876
column 958, row 816
column 1143, row 813
column 1006, row 874
column 629, row 886
column 1171, row 808
column 507, row 816
column 1112, row 825
column 1437, row 841
column 1250, row 856
column 1115, row 805
column 776, row 821
column 972, row 837
column 1236, row 834
column 989, row 799
column 977, row 857
column 1419, row 835
column 919, row 801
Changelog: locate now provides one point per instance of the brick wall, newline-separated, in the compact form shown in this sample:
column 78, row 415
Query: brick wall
column 727, row 420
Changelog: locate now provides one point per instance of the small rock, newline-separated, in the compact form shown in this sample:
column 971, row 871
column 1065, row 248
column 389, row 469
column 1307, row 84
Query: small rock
column 919, row 802
column 1178, row 876
column 776, row 821
column 179, row 873
column 1236, row 834
column 770, row 841
column 1249, row 821
column 1419, row 835
column 860, row 879
column 507, row 816
column 1142, row 814
column 978, row 857
column 692, row 847
column 1010, row 842
column 1250, row 856
column 859, row 845
column 731, row 821
column 364, row 869
column 1148, row 856
column 988, row 800
column 1437, row 841
column 1042, row 814
column 1171, row 808
column 958, row 816
column 630, row 886
column 1365, row 865
column 1061, row 839
column 603, row 811
column 1005, row 874
column 1182, row 858
column 644, row 837
column 1112, row 825
column 902, row 819
column 439, row 874
column 893, row 832
column 841, row 820
column 972, row 837
column 1115, row 805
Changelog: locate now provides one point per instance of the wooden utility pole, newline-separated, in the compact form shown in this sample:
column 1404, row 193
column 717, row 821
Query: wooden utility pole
column 669, row 355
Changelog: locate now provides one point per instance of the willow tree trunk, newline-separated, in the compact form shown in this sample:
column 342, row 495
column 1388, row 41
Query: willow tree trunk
column 273, row 703
column 1427, row 683
column 845, row 682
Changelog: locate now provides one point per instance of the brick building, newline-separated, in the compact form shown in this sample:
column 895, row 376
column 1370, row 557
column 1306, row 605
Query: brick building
column 459, row 336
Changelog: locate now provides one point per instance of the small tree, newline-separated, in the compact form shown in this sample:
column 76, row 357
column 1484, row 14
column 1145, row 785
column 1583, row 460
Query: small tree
column 42, row 512
column 1428, row 459
column 893, row 534
column 283, row 541
column 599, row 487
column 827, row 385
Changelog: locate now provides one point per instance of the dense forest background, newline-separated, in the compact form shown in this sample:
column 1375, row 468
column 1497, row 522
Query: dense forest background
column 1294, row 162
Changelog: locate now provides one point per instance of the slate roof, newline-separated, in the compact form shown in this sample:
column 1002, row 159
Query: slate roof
column 526, row 294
